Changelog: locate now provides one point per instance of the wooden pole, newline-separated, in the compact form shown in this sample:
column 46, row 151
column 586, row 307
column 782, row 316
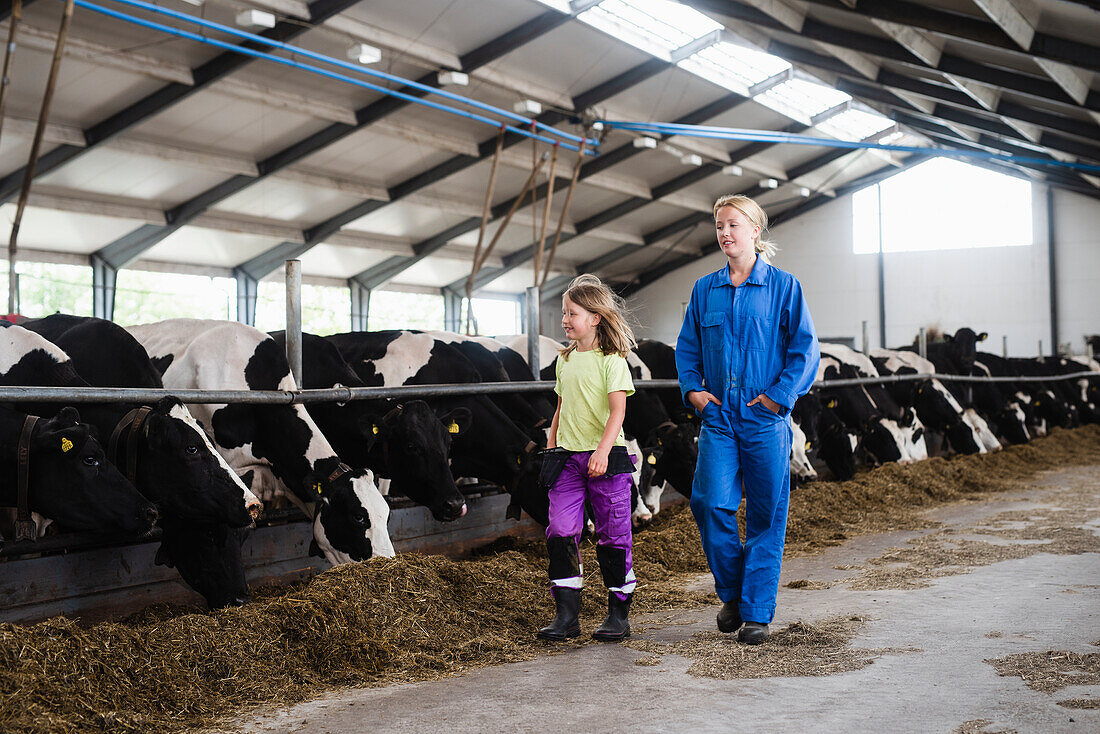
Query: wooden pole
column 545, row 214
column 40, row 128
column 564, row 209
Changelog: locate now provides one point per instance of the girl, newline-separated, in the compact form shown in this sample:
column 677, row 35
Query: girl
column 586, row 458
column 746, row 352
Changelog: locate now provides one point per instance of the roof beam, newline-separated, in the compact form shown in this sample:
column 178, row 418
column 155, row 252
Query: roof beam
column 203, row 76
column 887, row 48
column 130, row 246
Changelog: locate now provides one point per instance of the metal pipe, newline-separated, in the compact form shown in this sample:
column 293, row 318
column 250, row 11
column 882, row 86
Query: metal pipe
column 533, row 329
column 881, row 277
column 866, row 339
column 1004, row 346
column 1052, row 274
column 1040, row 350
column 922, row 344
column 294, row 319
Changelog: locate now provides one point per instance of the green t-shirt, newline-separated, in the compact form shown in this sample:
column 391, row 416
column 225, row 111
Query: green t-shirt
column 584, row 382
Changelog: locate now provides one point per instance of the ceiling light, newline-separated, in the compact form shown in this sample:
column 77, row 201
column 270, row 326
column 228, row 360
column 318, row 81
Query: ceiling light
column 733, row 170
column 804, row 192
column 255, row 19
column 645, row 142
column 769, row 183
column 364, row 53
column 452, row 79
column 527, row 107
column 692, row 159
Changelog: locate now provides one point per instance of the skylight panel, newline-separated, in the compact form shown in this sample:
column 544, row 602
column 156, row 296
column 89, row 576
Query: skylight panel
column 655, row 26
column 854, row 125
column 801, row 99
column 562, row 6
column 734, row 67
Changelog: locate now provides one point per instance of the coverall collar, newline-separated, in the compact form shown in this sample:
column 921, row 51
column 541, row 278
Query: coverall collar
column 758, row 276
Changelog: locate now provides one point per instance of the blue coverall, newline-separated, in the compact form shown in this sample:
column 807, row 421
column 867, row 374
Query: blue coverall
column 737, row 343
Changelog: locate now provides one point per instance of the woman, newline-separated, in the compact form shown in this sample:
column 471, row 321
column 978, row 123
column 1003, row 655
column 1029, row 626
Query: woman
column 746, row 352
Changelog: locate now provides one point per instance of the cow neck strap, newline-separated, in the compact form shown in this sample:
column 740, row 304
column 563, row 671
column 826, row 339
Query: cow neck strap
column 133, row 420
column 340, row 470
column 25, row 527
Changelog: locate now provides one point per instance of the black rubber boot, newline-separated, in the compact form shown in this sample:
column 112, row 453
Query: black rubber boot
column 565, row 624
column 616, row 627
column 753, row 633
column 729, row 617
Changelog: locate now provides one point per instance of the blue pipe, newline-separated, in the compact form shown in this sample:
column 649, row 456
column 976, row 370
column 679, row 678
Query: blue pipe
column 323, row 72
column 771, row 136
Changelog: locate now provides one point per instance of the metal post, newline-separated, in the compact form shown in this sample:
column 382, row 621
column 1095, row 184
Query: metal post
column 881, row 278
column 1088, row 350
column 1040, row 350
column 294, row 319
column 247, row 291
column 104, row 278
column 533, row 329
column 922, row 344
column 1052, row 271
column 1004, row 346
column 360, row 305
column 866, row 339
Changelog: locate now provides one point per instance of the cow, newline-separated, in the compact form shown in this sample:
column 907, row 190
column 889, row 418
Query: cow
column 660, row 358
column 801, row 468
column 176, row 465
column 894, row 415
column 69, row 480
column 405, row 443
column 1000, row 403
column 880, row 440
column 935, row 405
column 494, row 449
column 280, row 444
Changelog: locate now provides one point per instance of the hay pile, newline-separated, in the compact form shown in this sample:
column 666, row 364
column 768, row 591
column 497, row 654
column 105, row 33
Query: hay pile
column 418, row 617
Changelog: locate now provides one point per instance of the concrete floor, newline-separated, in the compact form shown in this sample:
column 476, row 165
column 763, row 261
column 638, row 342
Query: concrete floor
column 1038, row 603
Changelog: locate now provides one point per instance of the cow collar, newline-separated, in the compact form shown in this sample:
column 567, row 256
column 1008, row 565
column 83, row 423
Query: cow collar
column 134, row 421
column 25, row 527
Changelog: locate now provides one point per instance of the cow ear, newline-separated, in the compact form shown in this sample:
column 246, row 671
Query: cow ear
column 68, row 416
column 163, row 557
column 372, row 428
column 983, row 336
column 457, row 421
column 315, row 550
column 164, row 405
column 948, row 338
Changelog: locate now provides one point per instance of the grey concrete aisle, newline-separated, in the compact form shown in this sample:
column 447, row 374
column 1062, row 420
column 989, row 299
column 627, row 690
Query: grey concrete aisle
column 932, row 615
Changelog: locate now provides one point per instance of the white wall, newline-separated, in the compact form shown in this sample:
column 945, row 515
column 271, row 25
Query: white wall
column 1003, row 291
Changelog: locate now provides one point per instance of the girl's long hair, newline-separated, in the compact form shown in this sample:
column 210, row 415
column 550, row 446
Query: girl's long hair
column 613, row 333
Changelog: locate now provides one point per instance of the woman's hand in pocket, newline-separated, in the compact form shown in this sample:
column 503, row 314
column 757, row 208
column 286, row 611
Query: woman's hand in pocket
column 766, row 402
column 700, row 398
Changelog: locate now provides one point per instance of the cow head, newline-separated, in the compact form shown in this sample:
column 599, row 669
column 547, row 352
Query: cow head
column 416, row 445
column 179, row 469
column 964, row 346
column 71, row 482
column 351, row 517
column 881, row 439
column 837, row 446
column 208, row 558
column 1012, row 424
column 673, row 451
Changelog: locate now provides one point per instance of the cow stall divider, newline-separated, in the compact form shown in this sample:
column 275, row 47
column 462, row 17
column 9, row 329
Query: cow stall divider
column 100, row 576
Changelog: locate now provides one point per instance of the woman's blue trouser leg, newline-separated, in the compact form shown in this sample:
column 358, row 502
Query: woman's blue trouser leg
column 759, row 456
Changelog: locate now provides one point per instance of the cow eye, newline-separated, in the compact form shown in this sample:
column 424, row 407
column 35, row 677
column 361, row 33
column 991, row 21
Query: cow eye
column 192, row 449
column 360, row 518
column 90, row 461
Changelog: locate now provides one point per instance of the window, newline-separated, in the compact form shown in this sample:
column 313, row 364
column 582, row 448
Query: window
column 943, row 204
column 46, row 288
column 734, row 67
column 398, row 310
column 800, row 99
column 495, row 316
column 655, row 26
column 142, row 297
column 854, row 124
column 326, row 309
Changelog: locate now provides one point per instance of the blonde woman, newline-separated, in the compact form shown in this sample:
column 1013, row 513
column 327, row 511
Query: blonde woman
column 586, row 459
column 747, row 351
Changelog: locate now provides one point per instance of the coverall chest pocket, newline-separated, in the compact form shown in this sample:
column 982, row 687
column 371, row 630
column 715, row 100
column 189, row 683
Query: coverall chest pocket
column 755, row 332
column 715, row 334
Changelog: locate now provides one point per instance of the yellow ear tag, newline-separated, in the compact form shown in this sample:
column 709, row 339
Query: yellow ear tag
column 807, row 445
column 66, row 444
column 317, row 487
column 374, row 430
column 651, row 459
column 452, row 427
column 831, row 404
column 519, row 461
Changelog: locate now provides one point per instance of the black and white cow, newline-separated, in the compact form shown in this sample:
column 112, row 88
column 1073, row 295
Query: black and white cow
column 964, row 430
column 660, row 358
column 878, row 438
column 283, row 447
column 1002, row 404
column 177, row 467
column 69, row 480
column 406, row 443
column 494, row 449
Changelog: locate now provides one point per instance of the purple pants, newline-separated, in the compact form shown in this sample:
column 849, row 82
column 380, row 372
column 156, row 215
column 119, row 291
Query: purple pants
column 609, row 498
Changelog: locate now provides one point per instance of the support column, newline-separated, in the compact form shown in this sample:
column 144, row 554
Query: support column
column 452, row 309
column 247, row 291
column 360, row 305
column 1052, row 269
column 104, row 276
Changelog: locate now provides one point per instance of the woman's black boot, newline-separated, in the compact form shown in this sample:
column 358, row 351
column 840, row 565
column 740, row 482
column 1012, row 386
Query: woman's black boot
column 616, row 627
column 565, row 624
